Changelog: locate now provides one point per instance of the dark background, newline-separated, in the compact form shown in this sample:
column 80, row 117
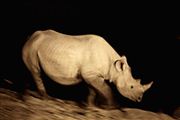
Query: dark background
column 147, row 33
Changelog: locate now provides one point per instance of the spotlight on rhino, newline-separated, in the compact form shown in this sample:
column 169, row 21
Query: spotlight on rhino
column 66, row 57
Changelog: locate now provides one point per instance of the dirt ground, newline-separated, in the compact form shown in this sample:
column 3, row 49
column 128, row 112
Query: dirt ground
column 13, row 107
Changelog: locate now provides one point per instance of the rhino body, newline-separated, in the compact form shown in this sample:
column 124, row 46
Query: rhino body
column 70, row 59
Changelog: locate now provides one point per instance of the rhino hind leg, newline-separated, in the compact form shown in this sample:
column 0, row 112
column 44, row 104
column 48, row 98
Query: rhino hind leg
column 39, row 84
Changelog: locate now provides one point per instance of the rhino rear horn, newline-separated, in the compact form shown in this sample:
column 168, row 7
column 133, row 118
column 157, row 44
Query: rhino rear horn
column 139, row 81
column 147, row 86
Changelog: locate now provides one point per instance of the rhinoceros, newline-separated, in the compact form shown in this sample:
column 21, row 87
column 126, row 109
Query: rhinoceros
column 71, row 59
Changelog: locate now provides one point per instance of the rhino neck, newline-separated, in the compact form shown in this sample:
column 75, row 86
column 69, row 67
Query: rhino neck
column 113, row 75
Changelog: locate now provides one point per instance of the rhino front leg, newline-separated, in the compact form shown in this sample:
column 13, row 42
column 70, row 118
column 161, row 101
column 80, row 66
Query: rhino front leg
column 91, row 97
column 100, row 86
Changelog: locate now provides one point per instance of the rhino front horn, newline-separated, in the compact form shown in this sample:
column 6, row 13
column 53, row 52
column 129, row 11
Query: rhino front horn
column 147, row 86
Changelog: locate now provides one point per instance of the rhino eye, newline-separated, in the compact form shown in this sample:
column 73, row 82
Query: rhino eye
column 132, row 86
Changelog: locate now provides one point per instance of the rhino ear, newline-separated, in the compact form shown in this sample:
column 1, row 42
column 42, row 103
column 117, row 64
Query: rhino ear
column 120, row 64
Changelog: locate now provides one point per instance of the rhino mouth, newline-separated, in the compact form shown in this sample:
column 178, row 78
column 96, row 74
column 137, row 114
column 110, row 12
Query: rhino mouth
column 136, row 99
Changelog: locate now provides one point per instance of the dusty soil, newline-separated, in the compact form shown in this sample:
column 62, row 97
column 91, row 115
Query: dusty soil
column 13, row 107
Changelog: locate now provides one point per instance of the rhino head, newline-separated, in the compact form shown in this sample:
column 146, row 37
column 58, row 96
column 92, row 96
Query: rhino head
column 126, row 84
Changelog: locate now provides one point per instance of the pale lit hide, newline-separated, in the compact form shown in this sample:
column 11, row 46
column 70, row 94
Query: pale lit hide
column 69, row 59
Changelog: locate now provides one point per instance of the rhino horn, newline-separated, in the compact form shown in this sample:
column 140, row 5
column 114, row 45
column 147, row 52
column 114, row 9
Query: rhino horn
column 138, row 80
column 147, row 86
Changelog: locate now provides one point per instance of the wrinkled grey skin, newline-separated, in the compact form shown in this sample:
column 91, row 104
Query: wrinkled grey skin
column 69, row 59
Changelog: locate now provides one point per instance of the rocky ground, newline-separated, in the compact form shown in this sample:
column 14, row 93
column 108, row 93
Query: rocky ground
column 13, row 107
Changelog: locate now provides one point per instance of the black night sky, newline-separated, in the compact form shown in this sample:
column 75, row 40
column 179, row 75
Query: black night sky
column 147, row 33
